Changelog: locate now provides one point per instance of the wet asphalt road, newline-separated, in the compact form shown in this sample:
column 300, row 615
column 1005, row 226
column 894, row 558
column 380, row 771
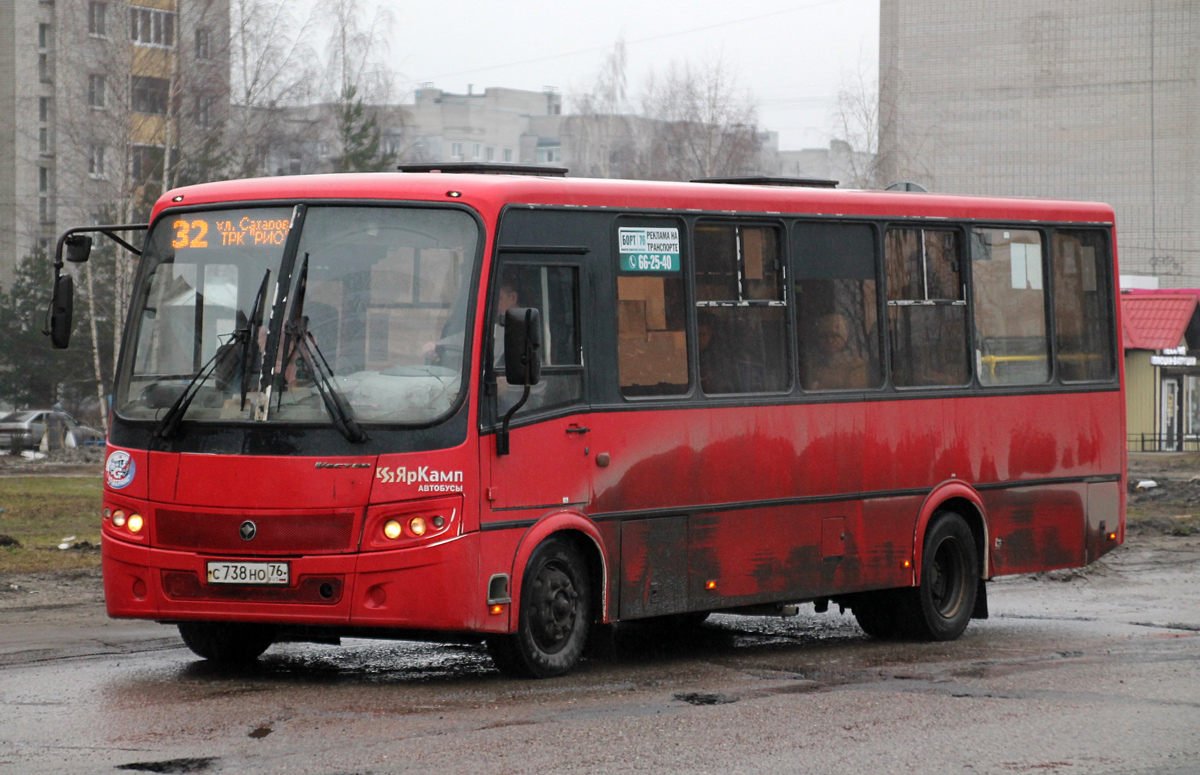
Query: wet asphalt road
column 1094, row 673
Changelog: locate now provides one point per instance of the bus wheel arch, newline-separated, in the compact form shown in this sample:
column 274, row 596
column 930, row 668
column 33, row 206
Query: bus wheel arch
column 584, row 533
column 559, row 575
column 963, row 500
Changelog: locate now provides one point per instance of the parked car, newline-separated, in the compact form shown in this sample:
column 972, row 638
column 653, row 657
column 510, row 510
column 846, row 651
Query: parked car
column 45, row 429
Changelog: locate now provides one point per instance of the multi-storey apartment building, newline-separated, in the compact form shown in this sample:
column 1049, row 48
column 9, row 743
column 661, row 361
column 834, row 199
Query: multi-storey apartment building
column 499, row 125
column 1086, row 100
column 92, row 94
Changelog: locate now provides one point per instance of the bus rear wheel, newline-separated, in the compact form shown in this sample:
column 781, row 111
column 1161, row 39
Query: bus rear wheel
column 226, row 643
column 554, row 618
column 940, row 607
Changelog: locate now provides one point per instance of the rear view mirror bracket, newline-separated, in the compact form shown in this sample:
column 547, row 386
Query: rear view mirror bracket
column 78, row 249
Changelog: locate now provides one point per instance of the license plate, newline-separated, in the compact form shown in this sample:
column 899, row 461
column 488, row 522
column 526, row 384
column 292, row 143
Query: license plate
column 249, row 573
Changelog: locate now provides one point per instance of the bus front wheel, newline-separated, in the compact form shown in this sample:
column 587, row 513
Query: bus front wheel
column 554, row 618
column 226, row 643
column 940, row 607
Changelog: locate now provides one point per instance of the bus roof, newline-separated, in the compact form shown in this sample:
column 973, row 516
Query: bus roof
column 491, row 192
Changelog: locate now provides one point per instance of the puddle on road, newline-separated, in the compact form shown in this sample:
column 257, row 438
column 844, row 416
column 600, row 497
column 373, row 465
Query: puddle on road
column 197, row 764
column 816, row 651
column 698, row 698
column 633, row 644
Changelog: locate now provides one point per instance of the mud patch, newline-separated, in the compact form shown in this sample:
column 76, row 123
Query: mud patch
column 512, row 723
column 1177, row 525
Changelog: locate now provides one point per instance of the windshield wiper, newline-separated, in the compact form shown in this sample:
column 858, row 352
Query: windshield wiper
column 170, row 421
column 299, row 339
column 246, row 336
column 268, row 381
column 250, row 351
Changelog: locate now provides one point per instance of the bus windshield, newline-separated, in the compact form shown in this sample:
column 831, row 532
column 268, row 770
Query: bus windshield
column 383, row 302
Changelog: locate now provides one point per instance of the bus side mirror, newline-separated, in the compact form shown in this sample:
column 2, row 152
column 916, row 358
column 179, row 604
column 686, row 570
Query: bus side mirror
column 62, row 305
column 79, row 248
column 522, row 346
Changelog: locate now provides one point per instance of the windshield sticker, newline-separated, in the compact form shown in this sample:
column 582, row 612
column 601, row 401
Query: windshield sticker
column 649, row 250
column 430, row 480
column 119, row 470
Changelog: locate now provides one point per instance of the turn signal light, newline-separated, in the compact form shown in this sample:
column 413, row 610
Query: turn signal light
column 496, row 609
column 710, row 585
column 108, row 513
column 392, row 529
column 908, row 563
column 119, row 518
column 1112, row 536
column 417, row 526
column 136, row 523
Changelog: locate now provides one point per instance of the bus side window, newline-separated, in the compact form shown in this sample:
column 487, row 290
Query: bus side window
column 652, row 335
column 1010, row 307
column 741, row 310
column 927, row 314
column 1082, row 305
column 837, row 306
column 554, row 292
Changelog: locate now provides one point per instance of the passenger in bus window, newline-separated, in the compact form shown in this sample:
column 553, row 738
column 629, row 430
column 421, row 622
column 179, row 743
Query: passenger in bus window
column 447, row 351
column 505, row 300
column 508, row 395
column 835, row 365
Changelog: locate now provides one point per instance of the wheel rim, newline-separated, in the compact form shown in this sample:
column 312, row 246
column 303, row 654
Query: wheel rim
column 554, row 608
column 947, row 574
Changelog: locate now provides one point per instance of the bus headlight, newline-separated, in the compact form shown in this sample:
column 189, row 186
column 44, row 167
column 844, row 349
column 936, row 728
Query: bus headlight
column 417, row 526
column 135, row 523
column 392, row 529
column 118, row 518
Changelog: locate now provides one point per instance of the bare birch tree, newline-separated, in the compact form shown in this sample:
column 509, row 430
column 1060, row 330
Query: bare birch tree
column 358, row 83
column 873, row 116
column 271, row 67
column 602, row 132
column 856, row 123
column 108, row 166
column 705, row 123
column 694, row 121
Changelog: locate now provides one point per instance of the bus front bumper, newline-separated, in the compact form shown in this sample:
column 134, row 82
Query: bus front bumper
column 432, row 587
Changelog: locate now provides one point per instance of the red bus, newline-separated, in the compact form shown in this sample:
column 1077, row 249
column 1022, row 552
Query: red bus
column 515, row 407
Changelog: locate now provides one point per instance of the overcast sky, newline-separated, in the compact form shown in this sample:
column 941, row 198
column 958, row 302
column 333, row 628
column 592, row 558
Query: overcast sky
column 793, row 56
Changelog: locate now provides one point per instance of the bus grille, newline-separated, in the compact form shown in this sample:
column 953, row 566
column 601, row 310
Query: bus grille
column 314, row 590
column 275, row 533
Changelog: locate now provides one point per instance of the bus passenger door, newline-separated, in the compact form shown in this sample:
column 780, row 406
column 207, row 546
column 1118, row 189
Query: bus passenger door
column 549, row 445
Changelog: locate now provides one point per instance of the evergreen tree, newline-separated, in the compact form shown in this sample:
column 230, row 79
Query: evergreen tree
column 32, row 373
column 358, row 130
column 211, row 160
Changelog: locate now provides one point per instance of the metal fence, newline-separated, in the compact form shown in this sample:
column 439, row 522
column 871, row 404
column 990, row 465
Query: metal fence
column 1159, row 442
